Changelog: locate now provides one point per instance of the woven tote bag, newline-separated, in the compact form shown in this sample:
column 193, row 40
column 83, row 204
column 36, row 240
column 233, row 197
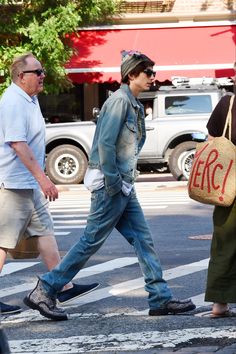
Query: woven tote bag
column 213, row 173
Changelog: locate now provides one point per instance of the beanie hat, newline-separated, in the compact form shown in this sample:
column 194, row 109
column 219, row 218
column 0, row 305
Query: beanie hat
column 130, row 59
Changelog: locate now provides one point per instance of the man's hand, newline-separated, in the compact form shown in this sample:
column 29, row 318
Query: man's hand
column 49, row 189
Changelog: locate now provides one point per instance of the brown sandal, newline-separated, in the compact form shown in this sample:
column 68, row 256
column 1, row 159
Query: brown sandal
column 228, row 313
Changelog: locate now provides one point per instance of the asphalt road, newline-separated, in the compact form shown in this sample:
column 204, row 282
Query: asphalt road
column 114, row 317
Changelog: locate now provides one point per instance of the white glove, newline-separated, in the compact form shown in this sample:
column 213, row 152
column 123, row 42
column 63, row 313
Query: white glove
column 126, row 188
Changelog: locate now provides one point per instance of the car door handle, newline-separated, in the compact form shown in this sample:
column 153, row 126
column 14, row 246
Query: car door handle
column 150, row 128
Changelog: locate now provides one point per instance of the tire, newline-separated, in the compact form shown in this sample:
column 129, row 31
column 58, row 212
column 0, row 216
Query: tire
column 66, row 164
column 180, row 160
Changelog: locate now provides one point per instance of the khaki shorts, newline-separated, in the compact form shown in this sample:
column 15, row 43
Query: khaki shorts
column 23, row 213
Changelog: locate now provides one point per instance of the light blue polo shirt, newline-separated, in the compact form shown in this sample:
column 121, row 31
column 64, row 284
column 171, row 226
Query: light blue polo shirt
column 20, row 120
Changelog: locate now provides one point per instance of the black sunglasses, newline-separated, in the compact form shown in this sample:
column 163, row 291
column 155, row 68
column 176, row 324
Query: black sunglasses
column 38, row 72
column 149, row 72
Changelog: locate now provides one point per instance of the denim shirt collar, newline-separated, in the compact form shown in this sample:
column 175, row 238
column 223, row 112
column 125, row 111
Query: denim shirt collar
column 133, row 100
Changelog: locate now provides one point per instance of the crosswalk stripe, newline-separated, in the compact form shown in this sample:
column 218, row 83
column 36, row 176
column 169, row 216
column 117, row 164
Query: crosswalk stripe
column 145, row 202
column 86, row 272
column 68, row 204
column 115, row 290
column 61, row 233
column 119, row 288
column 141, row 199
column 62, row 209
column 69, row 227
column 71, row 216
column 75, row 221
column 15, row 267
column 199, row 301
column 77, row 227
column 119, row 341
column 138, row 283
column 66, row 207
column 30, row 315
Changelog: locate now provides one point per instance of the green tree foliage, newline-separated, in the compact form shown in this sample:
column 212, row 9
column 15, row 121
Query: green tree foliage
column 42, row 27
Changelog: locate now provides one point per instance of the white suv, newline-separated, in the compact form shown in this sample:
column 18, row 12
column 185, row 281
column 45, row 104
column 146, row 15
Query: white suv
column 178, row 113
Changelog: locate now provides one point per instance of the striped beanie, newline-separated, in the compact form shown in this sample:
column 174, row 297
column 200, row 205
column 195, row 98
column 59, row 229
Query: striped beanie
column 130, row 59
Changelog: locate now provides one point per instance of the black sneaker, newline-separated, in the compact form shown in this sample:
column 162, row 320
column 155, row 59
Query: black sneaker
column 39, row 300
column 6, row 309
column 173, row 307
column 78, row 290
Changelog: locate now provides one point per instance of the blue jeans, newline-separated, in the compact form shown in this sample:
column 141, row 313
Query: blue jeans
column 106, row 213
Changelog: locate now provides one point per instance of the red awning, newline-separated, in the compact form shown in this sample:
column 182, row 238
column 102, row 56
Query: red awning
column 180, row 51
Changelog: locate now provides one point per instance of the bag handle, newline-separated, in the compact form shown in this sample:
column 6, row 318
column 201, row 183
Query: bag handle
column 228, row 121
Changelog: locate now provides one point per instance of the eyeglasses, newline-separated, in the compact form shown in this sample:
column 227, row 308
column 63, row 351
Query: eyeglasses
column 38, row 72
column 149, row 72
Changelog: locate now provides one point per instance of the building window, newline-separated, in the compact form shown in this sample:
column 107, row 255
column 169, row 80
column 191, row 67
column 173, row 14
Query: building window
column 148, row 6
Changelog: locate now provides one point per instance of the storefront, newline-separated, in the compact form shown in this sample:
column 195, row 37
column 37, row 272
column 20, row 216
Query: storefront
column 185, row 49
column 194, row 50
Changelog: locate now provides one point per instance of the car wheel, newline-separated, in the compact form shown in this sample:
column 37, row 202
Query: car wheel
column 180, row 160
column 66, row 164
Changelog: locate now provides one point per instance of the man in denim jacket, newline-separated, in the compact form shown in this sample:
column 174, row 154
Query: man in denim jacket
column 119, row 137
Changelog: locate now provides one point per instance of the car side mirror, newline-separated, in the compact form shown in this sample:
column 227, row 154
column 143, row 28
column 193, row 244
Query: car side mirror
column 95, row 113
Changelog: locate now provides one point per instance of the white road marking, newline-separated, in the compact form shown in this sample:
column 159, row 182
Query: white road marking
column 86, row 272
column 75, row 221
column 62, row 233
column 68, row 227
column 119, row 288
column 63, row 210
column 87, row 210
column 199, row 301
column 70, row 206
column 152, row 200
column 33, row 316
column 68, row 203
column 119, row 341
column 70, row 216
column 138, row 283
column 15, row 267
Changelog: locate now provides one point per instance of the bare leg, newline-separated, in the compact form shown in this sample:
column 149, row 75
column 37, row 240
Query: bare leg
column 49, row 253
column 3, row 256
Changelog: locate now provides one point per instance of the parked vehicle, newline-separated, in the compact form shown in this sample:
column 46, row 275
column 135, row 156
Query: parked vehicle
column 67, row 149
column 178, row 112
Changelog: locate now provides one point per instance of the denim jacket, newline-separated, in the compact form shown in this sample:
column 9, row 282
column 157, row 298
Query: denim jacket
column 118, row 139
